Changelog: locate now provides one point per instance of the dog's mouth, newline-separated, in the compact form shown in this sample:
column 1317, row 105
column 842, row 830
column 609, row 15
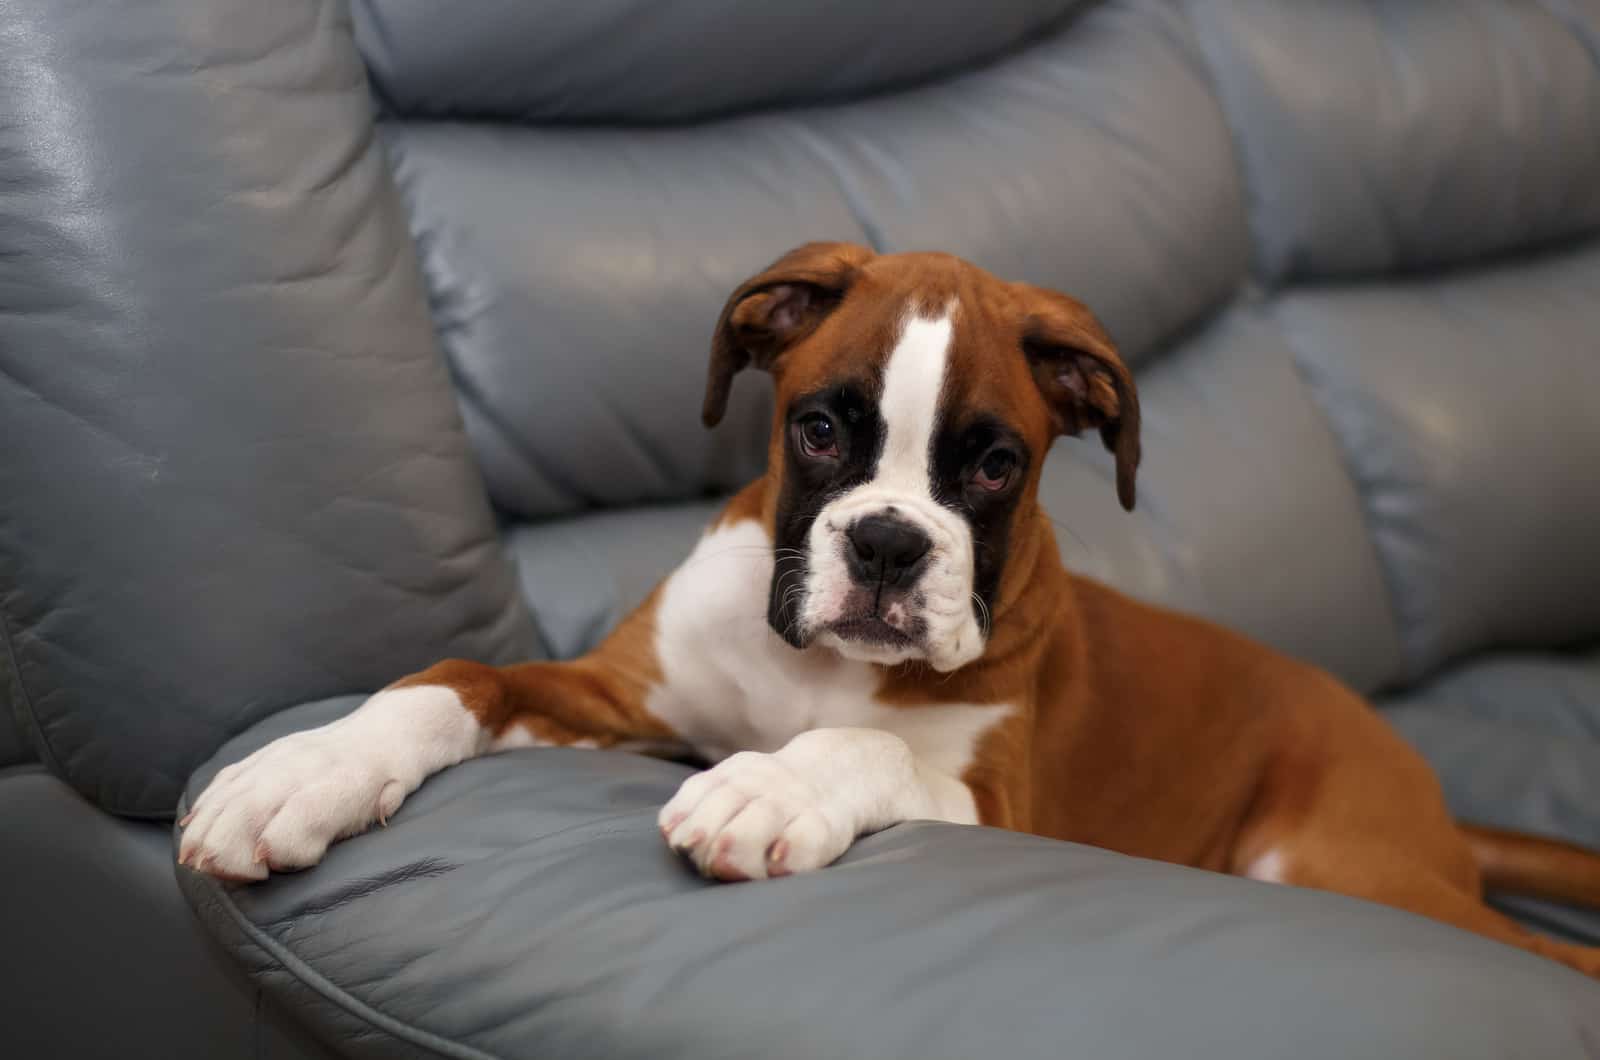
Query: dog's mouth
column 880, row 621
column 873, row 630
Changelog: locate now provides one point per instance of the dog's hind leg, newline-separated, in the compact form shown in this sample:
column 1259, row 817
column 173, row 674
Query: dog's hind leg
column 1392, row 878
column 1323, row 824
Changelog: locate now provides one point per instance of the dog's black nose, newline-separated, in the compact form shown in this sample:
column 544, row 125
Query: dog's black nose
column 886, row 551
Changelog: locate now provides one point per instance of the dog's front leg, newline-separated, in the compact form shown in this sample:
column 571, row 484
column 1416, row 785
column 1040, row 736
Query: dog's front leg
column 758, row 815
column 281, row 807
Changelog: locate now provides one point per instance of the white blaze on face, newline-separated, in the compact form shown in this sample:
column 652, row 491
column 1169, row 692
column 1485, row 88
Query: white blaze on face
column 941, row 600
column 909, row 406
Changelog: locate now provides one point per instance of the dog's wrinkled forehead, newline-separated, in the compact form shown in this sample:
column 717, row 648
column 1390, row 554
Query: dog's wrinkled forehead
column 922, row 336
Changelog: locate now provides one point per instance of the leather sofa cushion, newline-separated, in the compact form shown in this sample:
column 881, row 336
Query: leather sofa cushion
column 524, row 905
column 576, row 273
column 1246, row 512
column 234, row 476
column 1465, row 407
column 1391, row 137
column 622, row 61
column 103, row 957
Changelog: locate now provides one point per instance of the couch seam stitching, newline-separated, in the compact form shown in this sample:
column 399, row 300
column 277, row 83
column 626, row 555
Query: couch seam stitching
column 304, row 973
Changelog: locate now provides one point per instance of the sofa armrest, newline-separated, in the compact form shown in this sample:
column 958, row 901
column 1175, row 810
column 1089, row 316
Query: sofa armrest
column 523, row 905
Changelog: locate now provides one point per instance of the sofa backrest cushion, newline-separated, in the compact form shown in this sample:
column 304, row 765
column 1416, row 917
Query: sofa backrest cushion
column 1467, row 407
column 234, row 474
column 575, row 272
column 1247, row 513
column 1389, row 137
column 658, row 61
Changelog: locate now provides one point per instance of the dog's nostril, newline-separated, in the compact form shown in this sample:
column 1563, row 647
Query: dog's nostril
column 887, row 549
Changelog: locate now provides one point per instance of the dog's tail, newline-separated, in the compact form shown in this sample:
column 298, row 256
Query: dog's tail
column 1512, row 863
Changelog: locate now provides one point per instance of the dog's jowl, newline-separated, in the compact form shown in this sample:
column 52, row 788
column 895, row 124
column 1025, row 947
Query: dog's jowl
column 880, row 629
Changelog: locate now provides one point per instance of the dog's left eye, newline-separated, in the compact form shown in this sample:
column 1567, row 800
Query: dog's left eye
column 818, row 438
column 995, row 471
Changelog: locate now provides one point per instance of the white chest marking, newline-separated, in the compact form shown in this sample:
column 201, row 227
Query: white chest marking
column 729, row 683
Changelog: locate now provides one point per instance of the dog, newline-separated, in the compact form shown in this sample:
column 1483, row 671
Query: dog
column 924, row 654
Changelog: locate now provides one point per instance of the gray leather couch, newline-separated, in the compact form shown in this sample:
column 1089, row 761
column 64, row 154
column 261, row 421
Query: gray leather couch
column 334, row 341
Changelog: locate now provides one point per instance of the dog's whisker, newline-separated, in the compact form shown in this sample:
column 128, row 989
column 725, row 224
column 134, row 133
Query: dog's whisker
column 984, row 622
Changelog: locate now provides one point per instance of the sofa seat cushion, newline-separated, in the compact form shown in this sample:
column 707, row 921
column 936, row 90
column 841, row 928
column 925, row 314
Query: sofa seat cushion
column 523, row 905
column 1516, row 739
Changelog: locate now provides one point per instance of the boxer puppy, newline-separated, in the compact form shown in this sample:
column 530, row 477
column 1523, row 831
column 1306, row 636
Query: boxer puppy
column 924, row 654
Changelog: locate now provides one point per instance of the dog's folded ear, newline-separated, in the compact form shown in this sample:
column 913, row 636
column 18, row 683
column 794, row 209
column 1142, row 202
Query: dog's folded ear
column 1082, row 378
column 775, row 309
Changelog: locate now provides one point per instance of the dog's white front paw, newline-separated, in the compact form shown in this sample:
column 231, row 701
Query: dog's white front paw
column 281, row 807
column 753, row 816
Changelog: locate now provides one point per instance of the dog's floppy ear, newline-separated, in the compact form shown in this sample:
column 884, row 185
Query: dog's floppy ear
column 1082, row 378
column 773, row 310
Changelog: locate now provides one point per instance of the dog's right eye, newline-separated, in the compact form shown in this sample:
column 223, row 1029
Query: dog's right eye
column 994, row 474
column 818, row 439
